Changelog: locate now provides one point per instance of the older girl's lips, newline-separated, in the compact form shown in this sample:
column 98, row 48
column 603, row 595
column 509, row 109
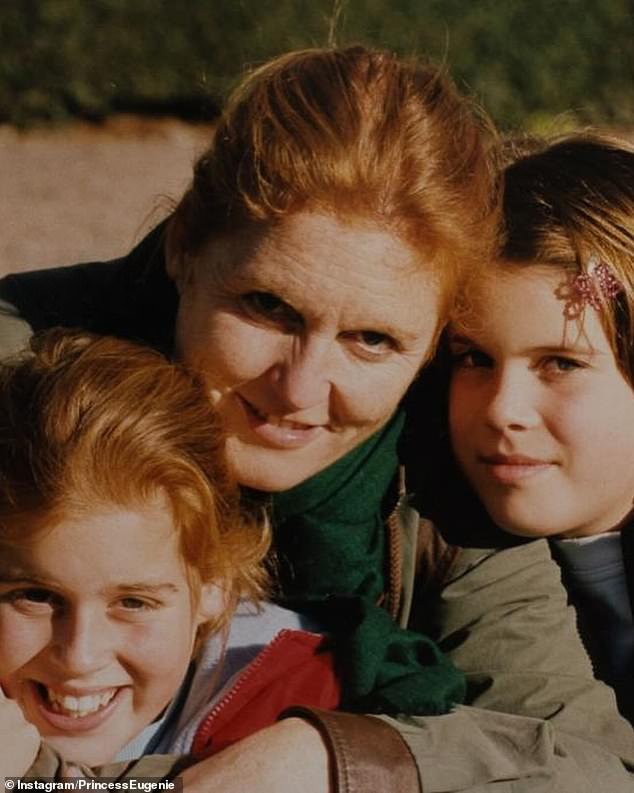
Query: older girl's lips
column 511, row 468
column 277, row 432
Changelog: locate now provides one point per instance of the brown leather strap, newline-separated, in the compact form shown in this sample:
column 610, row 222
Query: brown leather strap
column 366, row 753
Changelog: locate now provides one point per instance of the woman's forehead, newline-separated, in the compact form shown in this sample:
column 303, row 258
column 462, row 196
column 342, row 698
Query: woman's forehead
column 318, row 263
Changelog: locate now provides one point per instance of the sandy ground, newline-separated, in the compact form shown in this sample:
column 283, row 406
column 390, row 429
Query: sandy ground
column 85, row 193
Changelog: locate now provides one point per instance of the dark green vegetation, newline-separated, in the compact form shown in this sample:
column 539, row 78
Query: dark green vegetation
column 527, row 60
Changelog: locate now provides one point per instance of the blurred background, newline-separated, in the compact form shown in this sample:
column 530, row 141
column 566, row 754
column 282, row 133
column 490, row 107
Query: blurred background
column 105, row 103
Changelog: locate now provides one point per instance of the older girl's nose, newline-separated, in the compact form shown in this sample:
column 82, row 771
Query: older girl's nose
column 511, row 402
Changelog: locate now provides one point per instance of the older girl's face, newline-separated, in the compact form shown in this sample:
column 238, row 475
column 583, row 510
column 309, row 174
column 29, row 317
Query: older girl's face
column 308, row 335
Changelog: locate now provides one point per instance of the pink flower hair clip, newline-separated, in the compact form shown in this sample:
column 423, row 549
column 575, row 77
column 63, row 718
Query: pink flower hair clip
column 591, row 288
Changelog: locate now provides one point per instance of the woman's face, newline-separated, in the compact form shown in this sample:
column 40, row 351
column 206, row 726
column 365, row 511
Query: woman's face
column 308, row 335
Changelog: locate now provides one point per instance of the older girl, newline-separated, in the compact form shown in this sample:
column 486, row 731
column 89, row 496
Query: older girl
column 542, row 399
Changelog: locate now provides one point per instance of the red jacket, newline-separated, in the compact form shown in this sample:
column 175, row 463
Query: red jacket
column 296, row 668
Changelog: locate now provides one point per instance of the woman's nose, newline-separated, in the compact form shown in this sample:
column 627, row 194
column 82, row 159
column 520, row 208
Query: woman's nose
column 303, row 378
column 82, row 643
column 512, row 403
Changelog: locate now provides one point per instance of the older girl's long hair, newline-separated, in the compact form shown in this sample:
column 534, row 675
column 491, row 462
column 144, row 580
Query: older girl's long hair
column 569, row 203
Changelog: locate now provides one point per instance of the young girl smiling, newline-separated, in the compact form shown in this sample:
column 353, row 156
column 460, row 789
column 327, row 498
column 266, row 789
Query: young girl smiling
column 541, row 401
column 128, row 575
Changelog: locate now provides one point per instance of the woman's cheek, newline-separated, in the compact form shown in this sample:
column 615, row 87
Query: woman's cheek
column 372, row 397
column 231, row 351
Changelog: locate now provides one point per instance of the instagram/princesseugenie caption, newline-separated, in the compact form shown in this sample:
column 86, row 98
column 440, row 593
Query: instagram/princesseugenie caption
column 86, row 785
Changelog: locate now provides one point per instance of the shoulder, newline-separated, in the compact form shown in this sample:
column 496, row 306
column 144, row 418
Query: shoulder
column 131, row 297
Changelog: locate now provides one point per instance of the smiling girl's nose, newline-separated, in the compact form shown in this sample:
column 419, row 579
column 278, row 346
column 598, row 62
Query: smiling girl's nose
column 82, row 643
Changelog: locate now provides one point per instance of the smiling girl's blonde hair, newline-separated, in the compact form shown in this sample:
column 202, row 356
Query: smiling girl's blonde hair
column 88, row 421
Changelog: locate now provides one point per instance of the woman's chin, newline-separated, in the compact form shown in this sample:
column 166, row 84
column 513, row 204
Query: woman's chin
column 273, row 470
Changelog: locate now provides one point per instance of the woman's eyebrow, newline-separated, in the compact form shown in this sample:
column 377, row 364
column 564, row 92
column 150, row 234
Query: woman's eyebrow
column 147, row 587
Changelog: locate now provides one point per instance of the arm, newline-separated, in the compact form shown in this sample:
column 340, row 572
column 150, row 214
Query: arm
column 503, row 618
column 131, row 297
column 537, row 720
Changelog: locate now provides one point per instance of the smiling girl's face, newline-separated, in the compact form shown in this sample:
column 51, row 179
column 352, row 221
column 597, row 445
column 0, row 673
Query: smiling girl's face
column 97, row 626
column 541, row 418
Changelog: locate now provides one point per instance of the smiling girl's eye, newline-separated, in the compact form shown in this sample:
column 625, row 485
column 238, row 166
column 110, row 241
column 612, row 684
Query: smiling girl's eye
column 268, row 306
column 133, row 603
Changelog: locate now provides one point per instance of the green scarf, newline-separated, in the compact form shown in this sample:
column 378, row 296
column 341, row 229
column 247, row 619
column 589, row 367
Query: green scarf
column 329, row 537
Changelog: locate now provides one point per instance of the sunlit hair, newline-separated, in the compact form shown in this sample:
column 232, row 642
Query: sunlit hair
column 569, row 203
column 358, row 133
column 87, row 422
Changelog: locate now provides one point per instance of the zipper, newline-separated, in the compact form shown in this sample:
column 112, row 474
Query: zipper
column 200, row 738
column 395, row 552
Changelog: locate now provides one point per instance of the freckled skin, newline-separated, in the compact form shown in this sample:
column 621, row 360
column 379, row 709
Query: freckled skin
column 529, row 382
column 317, row 323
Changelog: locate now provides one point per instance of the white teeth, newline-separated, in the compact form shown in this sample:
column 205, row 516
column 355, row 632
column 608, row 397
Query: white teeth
column 76, row 707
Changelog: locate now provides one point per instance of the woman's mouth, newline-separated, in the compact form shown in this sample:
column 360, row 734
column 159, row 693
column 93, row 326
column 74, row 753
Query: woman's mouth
column 75, row 712
column 275, row 431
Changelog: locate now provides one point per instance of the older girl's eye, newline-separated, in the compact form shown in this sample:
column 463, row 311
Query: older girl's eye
column 268, row 306
column 560, row 364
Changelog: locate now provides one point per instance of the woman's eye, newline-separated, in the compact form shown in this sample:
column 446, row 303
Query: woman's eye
column 373, row 342
column 269, row 306
column 32, row 598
